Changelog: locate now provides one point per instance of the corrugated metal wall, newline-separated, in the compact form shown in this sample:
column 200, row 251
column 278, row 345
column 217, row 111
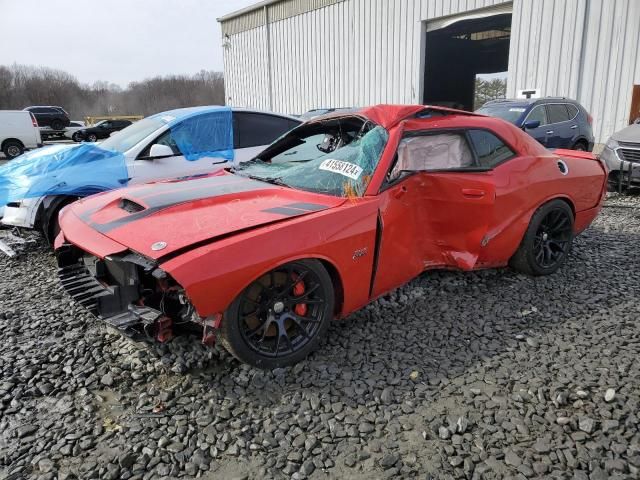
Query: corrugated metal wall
column 353, row 52
column 360, row 52
column 583, row 49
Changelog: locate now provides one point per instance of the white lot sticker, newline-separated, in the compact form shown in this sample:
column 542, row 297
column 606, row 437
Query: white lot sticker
column 517, row 110
column 168, row 118
column 347, row 169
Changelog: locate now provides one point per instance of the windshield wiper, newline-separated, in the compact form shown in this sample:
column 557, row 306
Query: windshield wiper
column 272, row 180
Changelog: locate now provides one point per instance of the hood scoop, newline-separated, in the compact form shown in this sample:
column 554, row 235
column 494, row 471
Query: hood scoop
column 130, row 206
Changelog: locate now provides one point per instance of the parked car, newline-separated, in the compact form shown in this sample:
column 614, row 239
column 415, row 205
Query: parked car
column 622, row 156
column 331, row 216
column 49, row 116
column 18, row 132
column 100, row 130
column 555, row 122
column 149, row 152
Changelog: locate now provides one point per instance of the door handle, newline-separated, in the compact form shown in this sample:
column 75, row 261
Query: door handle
column 399, row 192
column 472, row 193
column 573, row 127
column 549, row 132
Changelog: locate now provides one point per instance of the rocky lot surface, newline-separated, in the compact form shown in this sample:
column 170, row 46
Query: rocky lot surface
column 456, row 375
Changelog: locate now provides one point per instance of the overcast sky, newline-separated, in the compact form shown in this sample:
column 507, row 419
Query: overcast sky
column 115, row 40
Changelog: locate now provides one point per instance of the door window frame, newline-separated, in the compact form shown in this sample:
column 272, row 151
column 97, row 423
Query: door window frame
column 465, row 133
column 543, row 106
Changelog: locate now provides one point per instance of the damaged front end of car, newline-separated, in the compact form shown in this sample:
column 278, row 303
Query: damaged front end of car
column 129, row 292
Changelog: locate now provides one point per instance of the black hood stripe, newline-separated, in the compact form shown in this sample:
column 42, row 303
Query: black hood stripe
column 161, row 196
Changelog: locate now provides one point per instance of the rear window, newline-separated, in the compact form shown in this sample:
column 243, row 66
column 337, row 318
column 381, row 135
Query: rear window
column 573, row 111
column 557, row 112
column 490, row 150
column 509, row 112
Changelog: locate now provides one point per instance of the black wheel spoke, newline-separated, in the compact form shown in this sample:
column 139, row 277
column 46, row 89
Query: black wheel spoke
column 270, row 325
column 552, row 238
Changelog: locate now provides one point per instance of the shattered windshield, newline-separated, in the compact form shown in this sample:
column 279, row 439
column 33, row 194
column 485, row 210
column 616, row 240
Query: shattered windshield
column 336, row 156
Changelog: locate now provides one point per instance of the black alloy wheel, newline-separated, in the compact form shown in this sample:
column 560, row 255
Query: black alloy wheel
column 547, row 241
column 281, row 317
column 553, row 238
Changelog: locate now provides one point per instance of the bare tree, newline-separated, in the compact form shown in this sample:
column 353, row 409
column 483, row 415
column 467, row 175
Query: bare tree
column 22, row 86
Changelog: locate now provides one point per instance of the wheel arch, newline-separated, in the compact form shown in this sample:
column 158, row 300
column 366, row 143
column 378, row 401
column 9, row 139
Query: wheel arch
column 49, row 208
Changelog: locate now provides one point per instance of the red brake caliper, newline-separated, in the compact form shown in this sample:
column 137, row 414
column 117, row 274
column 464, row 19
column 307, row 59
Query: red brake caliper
column 298, row 290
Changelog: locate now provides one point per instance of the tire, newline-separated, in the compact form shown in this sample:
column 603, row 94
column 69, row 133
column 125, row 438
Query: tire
column 57, row 124
column 581, row 146
column 92, row 137
column 76, row 137
column 547, row 241
column 12, row 149
column 264, row 326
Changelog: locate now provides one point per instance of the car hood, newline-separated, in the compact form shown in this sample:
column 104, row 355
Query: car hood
column 162, row 218
column 630, row 134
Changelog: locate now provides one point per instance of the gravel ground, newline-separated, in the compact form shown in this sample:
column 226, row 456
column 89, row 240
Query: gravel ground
column 456, row 375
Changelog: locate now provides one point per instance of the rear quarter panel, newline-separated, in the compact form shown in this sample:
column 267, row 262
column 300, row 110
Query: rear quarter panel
column 215, row 274
column 524, row 184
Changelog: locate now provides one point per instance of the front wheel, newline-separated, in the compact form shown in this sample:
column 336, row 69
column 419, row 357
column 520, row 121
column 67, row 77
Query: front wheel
column 76, row 137
column 281, row 317
column 547, row 241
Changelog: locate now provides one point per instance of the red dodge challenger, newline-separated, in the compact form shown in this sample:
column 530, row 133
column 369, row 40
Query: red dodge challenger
column 334, row 214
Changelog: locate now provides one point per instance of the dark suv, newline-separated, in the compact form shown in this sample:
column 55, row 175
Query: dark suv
column 555, row 122
column 55, row 117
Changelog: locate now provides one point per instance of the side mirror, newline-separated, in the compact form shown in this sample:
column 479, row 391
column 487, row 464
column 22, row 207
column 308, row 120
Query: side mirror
column 158, row 150
column 531, row 124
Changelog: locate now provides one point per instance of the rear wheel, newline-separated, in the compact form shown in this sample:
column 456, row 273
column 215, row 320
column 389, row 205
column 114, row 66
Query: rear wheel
column 581, row 146
column 281, row 317
column 92, row 137
column 12, row 149
column 547, row 241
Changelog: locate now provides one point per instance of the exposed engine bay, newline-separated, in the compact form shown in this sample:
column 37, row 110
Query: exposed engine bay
column 130, row 293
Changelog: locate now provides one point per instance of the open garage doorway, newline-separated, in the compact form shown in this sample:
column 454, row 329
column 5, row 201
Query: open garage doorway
column 456, row 51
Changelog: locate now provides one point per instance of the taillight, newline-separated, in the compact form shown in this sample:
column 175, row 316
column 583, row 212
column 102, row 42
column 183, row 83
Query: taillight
column 33, row 120
column 589, row 119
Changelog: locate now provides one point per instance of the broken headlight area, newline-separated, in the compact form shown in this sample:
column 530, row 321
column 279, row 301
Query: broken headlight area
column 129, row 292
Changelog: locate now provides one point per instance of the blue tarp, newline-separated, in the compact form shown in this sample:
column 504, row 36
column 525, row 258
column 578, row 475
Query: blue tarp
column 87, row 168
column 80, row 170
column 204, row 134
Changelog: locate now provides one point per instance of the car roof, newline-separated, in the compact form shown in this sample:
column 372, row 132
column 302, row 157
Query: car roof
column 529, row 101
column 179, row 113
column 388, row 116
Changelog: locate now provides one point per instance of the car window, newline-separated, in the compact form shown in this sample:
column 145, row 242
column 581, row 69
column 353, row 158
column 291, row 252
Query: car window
column 557, row 113
column 106, row 124
column 445, row 151
column 256, row 129
column 573, row 110
column 490, row 149
column 509, row 112
column 538, row 114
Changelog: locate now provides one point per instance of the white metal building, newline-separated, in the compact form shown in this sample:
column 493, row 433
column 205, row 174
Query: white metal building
column 293, row 55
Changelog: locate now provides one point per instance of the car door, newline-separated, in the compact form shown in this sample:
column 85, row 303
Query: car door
column 559, row 130
column 434, row 209
column 254, row 131
column 538, row 114
column 104, row 129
